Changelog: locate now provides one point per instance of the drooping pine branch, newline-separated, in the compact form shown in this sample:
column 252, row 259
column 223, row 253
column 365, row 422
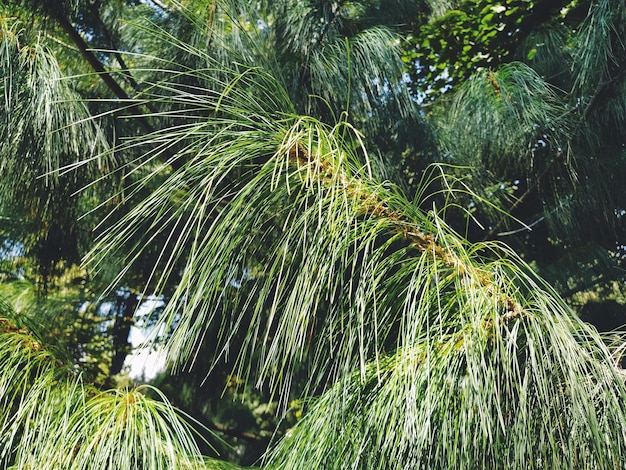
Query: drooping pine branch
column 40, row 397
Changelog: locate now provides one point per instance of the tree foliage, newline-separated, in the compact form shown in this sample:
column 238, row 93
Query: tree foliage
column 46, row 131
column 252, row 164
column 451, row 43
column 542, row 128
column 42, row 397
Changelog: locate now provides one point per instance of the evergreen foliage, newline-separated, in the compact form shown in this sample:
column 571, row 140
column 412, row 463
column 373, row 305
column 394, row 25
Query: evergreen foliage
column 240, row 162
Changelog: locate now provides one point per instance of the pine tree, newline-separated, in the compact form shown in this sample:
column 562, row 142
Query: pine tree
column 258, row 185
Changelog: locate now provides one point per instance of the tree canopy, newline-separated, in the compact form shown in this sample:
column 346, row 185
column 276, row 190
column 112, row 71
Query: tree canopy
column 374, row 228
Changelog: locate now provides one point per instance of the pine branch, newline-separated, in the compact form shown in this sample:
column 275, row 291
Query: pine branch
column 318, row 42
column 40, row 396
column 593, row 103
column 373, row 206
column 601, row 89
column 98, row 67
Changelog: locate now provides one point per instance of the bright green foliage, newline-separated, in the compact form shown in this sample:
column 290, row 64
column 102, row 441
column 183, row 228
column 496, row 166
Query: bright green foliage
column 257, row 200
column 366, row 295
column 496, row 394
column 46, row 132
column 51, row 419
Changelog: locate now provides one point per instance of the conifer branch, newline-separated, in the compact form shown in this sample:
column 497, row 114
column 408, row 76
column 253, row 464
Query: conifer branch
column 372, row 206
column 99, row 67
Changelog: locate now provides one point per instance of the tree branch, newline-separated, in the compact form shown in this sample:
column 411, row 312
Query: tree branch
column 373, row 206
column 98, row 66
column 593, row 102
